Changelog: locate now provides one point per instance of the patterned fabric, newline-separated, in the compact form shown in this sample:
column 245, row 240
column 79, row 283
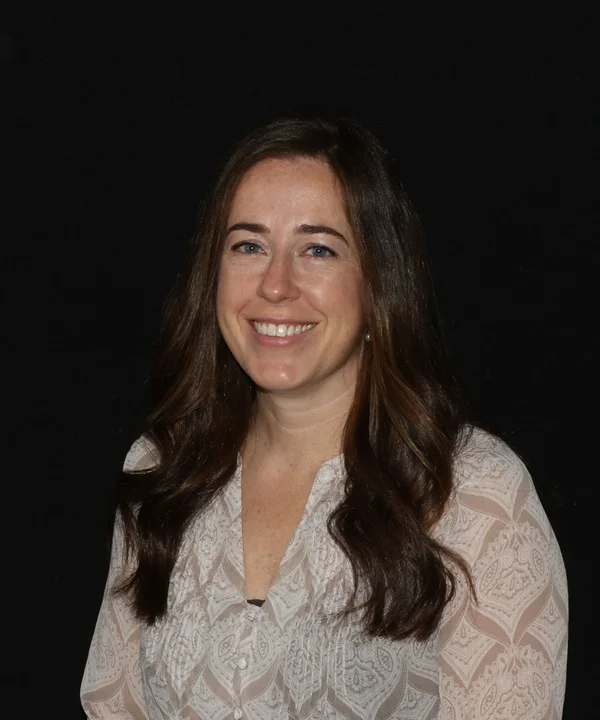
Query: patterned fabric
column 216, row 656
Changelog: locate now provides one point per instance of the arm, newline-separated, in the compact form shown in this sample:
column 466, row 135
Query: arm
column 111, row 686
column 504, row 655
column 112, row 683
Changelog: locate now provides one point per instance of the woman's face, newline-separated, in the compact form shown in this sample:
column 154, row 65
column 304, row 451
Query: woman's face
column 289, row 300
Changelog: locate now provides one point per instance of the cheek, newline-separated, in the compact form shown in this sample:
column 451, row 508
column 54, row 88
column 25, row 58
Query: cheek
column 225, row 302
column 342, row 297
column 229, row 292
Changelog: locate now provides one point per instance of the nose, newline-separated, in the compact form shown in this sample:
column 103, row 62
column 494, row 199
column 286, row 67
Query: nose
column 278, row 282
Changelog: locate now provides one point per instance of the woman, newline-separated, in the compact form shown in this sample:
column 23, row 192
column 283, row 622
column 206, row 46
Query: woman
column 309, row 528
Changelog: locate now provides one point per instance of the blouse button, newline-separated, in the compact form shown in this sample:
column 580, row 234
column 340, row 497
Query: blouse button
column 237, row 714
column 242, row 664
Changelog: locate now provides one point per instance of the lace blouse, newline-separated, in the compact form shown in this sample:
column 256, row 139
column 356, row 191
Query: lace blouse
column 216, row 656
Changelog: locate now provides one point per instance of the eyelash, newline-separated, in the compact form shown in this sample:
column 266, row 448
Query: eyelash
column 331, row 252
column 246, row 243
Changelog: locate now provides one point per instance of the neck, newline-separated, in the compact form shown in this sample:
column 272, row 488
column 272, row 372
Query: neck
column 300, row 429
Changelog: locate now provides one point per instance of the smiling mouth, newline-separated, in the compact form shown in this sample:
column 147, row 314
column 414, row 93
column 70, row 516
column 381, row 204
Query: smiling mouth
column 273, row 330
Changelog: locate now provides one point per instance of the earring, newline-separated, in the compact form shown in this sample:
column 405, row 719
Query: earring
column 367, row 336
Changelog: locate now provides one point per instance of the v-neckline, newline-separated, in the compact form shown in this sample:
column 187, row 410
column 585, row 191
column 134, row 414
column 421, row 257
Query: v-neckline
column 314, row 494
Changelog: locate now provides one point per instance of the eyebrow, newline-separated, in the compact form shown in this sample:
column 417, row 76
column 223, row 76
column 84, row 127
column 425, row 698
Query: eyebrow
column 300, row 230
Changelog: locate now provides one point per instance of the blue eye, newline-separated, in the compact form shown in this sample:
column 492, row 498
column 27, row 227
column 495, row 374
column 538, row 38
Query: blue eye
column 246, row 247
column 321, row 251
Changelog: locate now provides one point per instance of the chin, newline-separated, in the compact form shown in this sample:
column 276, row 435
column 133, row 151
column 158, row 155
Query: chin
column 277, row 386
column 277, row 382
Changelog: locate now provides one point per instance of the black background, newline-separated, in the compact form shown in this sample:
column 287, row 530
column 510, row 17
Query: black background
column 115, row 125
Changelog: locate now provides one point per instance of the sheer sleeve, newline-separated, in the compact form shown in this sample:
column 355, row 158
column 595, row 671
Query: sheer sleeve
column 111, row 685
column 503, row 655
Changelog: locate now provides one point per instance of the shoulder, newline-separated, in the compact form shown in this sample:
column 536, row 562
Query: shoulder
column 142, row 455
column 493, row 495
column 492, row 488
column 486, row 466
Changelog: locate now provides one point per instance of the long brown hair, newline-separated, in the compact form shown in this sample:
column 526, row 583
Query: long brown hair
column 403, row 429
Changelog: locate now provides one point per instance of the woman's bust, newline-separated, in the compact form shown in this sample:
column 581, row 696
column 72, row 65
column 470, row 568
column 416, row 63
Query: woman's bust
column 310, row 525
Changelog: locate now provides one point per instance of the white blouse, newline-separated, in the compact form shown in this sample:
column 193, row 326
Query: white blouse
column 216, row 656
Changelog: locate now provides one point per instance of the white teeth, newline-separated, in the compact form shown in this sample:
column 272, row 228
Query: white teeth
column 281, row 330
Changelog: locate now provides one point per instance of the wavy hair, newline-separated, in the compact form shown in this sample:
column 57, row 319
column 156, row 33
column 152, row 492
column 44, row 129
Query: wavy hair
column 403, row 429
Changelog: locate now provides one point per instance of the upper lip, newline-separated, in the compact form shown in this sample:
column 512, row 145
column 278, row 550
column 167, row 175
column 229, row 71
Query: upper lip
column 272, row 321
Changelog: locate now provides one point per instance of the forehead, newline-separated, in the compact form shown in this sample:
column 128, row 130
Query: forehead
column 290, row 184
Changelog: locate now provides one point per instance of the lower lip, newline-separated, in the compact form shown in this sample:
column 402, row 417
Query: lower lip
column 275, row 341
